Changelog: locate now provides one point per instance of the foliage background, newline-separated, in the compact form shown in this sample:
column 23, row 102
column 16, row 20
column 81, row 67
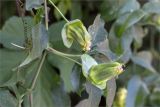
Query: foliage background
column 138, row 38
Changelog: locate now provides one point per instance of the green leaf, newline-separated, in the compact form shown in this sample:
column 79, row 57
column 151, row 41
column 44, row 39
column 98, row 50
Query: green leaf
column 49, row 90
column 63, row 99
column 104, row 49
column 39, row 41
column 111, row 91
column 109, row 9
column 76, row 11
column 7, row 99
column 127, row 20
column 14, row 32
column 9, row 60
column 39, row 15
column 64, row 6
column 33, row 4
column 128, row 6
column 144, row 59
column 112, row 9
column 54, row 33
column 97, row 31
column 94, row 97
column 56, row 41
column 138, row 36
column 122, row 46
column 87, row 63
column 152, row 7
column 135, row 93
column 65, row 68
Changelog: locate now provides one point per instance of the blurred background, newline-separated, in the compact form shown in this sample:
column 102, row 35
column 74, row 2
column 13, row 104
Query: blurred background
column 140, row 83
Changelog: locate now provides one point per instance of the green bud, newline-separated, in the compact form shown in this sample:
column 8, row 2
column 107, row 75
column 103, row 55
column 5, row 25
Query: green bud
column 101, row 73
column 120, row 99
column 75, row 30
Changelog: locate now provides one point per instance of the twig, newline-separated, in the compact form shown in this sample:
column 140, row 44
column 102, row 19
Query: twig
column 67, row 56
column 59, row 11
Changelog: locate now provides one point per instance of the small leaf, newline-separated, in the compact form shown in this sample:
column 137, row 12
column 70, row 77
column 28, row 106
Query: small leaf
column 97, row 31
column 144, row 59
column 7, row 99
column 87, row 63
column 111, row 91
column 39, row 41
column 33, row 4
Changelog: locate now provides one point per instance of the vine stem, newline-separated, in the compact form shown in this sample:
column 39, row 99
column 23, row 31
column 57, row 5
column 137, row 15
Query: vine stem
column 59, row 11
column 61, row 53
column 46, row 14
column 67, row 56
column 41, row 62
column 35, row 79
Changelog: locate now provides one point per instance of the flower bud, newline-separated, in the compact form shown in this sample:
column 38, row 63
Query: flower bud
column 101, row 73
column 75, row 30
